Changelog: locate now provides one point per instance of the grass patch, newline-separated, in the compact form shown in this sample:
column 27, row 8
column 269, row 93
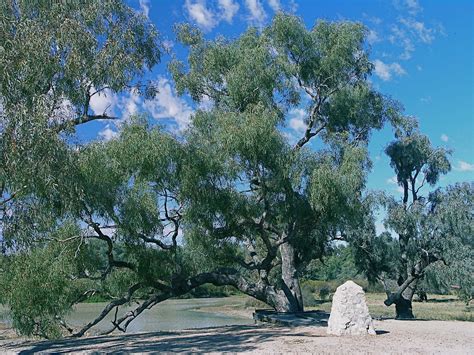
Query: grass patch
column 438, row 307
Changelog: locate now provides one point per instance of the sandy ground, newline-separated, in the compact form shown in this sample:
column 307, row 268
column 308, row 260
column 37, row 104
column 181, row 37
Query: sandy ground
column 401, row 337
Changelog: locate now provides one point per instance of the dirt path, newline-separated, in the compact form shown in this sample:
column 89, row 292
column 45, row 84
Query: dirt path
column 420, row 337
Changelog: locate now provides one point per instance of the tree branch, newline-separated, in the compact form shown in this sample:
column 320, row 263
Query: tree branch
column 108, row 308
column 83, row 119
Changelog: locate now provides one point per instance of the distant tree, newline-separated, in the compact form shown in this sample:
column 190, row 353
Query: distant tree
column 458, row 275
column 426, row 228
column 337, row 264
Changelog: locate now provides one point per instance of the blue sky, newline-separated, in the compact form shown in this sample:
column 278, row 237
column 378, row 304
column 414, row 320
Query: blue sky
column 423, row 53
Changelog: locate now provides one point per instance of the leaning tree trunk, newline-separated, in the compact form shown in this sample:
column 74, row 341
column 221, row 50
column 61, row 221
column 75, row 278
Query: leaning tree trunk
column 293, row 300
column 403, row 303
column 403, row 308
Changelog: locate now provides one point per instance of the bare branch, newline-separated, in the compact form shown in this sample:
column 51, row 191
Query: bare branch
column 108, row 308
column 83, row 119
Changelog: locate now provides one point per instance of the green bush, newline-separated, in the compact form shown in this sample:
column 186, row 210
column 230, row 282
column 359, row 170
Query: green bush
column 308, row 296
column 315, row 286
column 324, row 292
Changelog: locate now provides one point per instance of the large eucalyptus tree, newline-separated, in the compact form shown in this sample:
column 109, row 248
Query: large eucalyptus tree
column 265, row 205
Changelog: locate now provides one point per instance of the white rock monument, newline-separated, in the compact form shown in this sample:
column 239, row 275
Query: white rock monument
column 349, row 312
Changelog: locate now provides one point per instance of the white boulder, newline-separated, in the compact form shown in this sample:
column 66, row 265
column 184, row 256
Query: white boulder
column 349, row 312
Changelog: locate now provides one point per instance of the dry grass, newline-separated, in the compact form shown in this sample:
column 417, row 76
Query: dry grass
column 438, row 307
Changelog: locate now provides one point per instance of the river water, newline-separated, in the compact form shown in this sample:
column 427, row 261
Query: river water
column 168, row 315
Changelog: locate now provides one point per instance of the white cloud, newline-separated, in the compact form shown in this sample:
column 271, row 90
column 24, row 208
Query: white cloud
column 296, row 125
column 208, row 19
column 419, row 30
column 408, row 49
column 229, row 9
column 413, row 6
column 168, row 44
column 200, row 14
column 144, row 7
column 257, row 13
column 373, row 19
column 426, row 99
column 393, row 181
column 275, row 5
column 129, row 104
column 103, row 102
column 464, row 166
column 167, row 104
column 292, row 6
column 386, row 71
column 373, row 37
column 63, row 112
column 401, row 38
column 410, row 30
column 206, row 103
column 297, row 120
column 444, row 137
column 379, row 227
column 108, row 133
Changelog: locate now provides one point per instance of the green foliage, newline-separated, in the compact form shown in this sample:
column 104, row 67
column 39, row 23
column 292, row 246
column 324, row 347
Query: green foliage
column 241, row 162
column 376, row 255
column 54, row 57
column 337, row 182
column 103, row 43
column 309, row 300
column 144, row 214
column 234, row 74
column 454, row 210
column 39, row 290
column 412, row 154
column 430, row 230
column 338, row 265
column 324, row 293
column 329, row 51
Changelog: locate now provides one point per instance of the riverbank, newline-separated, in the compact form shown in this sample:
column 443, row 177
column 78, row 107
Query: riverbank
column 407, row 337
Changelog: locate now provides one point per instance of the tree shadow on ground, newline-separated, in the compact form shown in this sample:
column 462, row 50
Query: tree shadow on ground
column 228, row 339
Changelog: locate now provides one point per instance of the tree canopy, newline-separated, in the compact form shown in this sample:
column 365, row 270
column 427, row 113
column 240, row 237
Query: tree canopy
column 231, row 201
column 428, row 230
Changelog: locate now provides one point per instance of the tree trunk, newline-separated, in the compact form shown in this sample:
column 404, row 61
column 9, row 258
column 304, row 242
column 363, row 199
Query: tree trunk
column 291, row 284
column 403, row 308
column 403, row 299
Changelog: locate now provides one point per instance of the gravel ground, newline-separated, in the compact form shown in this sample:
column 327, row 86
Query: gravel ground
column 402, row 337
